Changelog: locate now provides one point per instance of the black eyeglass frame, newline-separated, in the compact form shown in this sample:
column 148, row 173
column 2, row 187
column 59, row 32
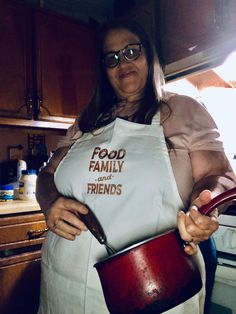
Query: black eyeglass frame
column 118, row 52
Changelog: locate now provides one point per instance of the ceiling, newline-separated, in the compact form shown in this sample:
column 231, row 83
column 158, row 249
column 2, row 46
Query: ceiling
column 98, row 10
column 208, row 78
column 221, row 76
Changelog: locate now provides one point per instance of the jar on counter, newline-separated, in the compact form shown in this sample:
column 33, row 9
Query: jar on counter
column 27, row 185
column 6, row 193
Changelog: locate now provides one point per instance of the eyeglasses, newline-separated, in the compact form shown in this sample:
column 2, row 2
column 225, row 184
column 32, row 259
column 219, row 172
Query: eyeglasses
column 130, row 52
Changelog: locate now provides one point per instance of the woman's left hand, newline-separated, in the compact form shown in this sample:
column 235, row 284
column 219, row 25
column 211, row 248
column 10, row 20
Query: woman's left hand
column 195, row 227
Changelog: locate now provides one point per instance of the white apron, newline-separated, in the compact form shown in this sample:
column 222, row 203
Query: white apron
column 123, row 173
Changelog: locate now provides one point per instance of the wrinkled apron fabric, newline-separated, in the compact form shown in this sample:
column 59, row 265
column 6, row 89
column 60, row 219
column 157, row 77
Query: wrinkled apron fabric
column 123, row 173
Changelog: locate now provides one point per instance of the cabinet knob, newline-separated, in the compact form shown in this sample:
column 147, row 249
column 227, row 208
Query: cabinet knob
column 36, row 233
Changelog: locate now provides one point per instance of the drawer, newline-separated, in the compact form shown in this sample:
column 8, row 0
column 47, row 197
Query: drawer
column 22, row 232
column 20, row 255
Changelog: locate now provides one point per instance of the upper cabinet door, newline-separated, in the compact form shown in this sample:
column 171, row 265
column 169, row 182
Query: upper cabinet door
column 15, row 60
column 65, row 66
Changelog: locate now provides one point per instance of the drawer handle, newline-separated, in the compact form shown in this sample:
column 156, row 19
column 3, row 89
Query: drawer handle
column 36, row 233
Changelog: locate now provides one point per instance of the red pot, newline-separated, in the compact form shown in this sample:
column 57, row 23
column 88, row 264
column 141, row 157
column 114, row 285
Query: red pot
column 154, row 275
column 150, row 277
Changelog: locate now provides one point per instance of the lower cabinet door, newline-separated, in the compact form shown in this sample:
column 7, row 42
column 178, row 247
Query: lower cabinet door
column 19, row 287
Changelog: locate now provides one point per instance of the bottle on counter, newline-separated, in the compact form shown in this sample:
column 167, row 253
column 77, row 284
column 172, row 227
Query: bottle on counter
column 21, row 165
column 27, row 185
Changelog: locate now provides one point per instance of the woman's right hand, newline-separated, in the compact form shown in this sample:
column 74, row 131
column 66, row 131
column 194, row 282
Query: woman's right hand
column 61, row 213
column 63, row 218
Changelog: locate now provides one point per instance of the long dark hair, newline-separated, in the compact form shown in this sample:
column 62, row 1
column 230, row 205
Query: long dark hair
column 104, row 99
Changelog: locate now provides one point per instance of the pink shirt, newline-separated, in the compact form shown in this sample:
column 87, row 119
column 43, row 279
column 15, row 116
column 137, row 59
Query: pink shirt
column 189, row 126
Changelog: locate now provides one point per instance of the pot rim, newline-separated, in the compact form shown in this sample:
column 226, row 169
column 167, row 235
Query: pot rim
column 129, row 248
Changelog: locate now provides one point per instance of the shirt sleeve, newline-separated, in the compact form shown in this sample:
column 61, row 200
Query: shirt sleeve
column 72, row 134
column 190, row 126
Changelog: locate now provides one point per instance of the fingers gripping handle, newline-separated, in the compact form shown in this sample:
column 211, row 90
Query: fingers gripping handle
column 94, row 226
column 217, row 201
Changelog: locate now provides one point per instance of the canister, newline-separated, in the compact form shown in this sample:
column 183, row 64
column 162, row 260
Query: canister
column 6, row 192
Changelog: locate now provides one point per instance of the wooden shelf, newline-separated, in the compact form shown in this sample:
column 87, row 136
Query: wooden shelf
column 34, row 124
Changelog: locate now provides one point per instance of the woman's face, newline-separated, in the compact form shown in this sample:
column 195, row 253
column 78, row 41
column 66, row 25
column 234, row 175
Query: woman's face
column 128, row 78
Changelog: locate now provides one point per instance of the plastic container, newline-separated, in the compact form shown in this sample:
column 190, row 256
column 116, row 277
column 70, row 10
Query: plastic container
column 27, row 185
column 21, row 165
column 6, row 193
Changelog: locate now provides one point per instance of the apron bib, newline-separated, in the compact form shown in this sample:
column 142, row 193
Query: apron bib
column 123, row 173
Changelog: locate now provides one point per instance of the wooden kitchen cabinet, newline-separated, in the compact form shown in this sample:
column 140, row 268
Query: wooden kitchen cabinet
column 143, row 12
column 65, row 57
column 15, row 60
column 47, row 64
column 21, row 237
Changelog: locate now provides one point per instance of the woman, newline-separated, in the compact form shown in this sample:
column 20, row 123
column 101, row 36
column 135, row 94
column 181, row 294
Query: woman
column 116, row 161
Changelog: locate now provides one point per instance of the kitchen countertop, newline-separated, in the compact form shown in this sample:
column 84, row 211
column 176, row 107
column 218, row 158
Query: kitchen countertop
column 18, row 206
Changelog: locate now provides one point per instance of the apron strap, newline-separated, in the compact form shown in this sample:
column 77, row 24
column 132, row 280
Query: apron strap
column 156, row 118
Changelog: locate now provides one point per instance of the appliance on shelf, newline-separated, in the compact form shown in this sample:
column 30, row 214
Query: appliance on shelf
column 37, row 151
column 224, row 291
